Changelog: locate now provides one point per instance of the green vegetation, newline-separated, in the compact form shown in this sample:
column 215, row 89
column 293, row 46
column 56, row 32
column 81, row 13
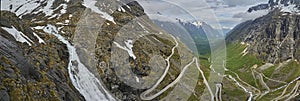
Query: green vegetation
column 268, row 72
column 240, row 64
column 236, row 61
column 287, row 72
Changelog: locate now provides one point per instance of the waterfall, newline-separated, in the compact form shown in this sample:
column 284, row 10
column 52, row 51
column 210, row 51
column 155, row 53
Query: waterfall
column 82, row 79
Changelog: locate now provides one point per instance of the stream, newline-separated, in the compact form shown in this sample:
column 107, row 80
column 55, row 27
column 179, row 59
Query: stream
column 82, row 79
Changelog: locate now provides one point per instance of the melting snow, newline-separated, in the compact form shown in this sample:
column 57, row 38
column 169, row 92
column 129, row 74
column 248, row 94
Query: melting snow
column 19, row 6
column 291, row 8
column 121, row 9
column 137, row 79
column 47, row 9
column 19, row 36
column 128, row 48
column 22, row 7
column 67, row 21
column 40, row 39
column 64, row 10
column 82, row 79
column 38, row 27
column 50, row 29
column 91, row 4
column 245, row 51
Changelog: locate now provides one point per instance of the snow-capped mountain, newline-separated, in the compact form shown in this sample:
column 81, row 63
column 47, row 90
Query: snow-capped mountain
column 287, row 6
column 192, row 33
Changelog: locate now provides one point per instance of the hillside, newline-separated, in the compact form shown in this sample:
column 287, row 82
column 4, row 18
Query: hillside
column 264, row 53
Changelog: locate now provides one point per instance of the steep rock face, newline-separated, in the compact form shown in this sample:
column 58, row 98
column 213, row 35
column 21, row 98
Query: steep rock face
column 132, row 54
column 32, row 72
column 292, row 6
column 273, row 38
column 134, row 23
column 284, row 2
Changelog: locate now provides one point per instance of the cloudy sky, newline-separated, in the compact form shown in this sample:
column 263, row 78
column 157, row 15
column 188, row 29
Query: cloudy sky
column 217, row 13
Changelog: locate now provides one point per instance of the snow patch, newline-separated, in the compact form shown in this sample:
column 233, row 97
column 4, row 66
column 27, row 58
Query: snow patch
column 19, row 36
column 91, row 4
column 19, row 6
column 245, row 51
column 243, row 43
column 22, row 7
column 197, row 23
column 38, row 27
column 47, row 9
column 137, row 79
column 40, row 39
column 64, row 10
column 50, row 29
column 121, row 9
column 128, row 48
column 289, row 8
column 67, row 21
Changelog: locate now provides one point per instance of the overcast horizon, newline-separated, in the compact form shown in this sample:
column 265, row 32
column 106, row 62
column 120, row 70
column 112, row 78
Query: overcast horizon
column 219, row 14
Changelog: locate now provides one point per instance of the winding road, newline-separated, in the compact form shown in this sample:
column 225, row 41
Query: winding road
column 144, row 96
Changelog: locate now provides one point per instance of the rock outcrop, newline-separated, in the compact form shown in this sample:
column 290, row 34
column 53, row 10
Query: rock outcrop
column 289, row 5
column 36, row 72
column 273, row 38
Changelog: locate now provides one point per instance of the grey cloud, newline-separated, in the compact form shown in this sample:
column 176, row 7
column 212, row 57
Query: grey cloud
column 228, row 16
column 243, row 2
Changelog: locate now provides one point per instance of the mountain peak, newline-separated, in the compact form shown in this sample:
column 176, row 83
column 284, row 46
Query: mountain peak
column 194, row 23
column 197, row 23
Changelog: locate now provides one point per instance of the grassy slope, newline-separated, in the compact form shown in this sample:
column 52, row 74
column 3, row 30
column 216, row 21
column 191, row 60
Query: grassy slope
column 242, row 66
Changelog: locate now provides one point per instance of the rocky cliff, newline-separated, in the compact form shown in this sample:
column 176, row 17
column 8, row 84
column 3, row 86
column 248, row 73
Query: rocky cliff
column 34, row 63
column 291, row 6
column 273, row 38
column 267, row 49
column 32, row 72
